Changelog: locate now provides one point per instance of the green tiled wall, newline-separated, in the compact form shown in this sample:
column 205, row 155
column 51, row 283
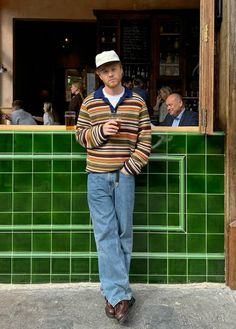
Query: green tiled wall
column 45, row 229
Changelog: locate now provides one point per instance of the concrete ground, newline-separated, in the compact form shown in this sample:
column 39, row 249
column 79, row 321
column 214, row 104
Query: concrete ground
column 80, row 306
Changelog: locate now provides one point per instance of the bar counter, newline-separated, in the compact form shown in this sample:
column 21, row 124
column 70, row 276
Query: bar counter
column 46, row 232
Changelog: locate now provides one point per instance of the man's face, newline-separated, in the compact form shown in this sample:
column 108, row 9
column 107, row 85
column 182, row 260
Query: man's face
column 110, row 74
column 174, row 105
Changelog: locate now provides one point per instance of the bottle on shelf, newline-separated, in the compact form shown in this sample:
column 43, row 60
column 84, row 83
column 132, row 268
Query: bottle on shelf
column 113, row 38
column 103, row 39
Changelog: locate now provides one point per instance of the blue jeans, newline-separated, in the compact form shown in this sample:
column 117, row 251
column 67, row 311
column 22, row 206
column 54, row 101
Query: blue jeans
column 111, row 203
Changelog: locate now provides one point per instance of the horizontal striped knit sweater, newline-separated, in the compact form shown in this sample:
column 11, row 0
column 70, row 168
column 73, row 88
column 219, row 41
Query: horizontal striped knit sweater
column 130, row 147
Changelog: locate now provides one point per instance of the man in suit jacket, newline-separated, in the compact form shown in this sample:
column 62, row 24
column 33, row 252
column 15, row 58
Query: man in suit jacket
column 177, row 114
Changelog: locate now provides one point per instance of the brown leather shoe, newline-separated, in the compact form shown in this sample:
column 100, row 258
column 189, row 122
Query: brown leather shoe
column 122, row 309
column 110, row 310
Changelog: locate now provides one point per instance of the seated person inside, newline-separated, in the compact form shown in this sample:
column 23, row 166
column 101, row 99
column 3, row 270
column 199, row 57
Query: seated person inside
column 177, row 114
column 20, row 116
column 160, row 109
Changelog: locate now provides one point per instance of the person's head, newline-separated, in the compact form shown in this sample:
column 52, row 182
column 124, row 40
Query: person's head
column 127, row 82
column 139, row 81
column 47, row 107
column 17, row 104
column 109, row 68
column 164, row 92
column 175, row 105
column 76, row 87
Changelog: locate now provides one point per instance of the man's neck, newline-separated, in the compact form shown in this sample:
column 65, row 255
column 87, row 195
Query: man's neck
column 114, row 91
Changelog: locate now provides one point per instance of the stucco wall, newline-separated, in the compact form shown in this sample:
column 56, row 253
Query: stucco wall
column 61, row 9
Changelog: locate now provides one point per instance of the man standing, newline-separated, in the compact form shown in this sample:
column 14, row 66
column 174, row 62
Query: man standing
column 116, row 152
column 177, row 114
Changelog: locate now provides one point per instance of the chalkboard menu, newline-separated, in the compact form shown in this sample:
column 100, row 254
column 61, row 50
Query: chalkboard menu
column 135, row 41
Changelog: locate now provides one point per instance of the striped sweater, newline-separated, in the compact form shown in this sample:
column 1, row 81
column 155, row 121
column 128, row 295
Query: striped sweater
column 130, row 147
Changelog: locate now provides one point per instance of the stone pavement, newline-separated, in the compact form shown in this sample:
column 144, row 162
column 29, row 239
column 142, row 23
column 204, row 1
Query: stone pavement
column 80, row 306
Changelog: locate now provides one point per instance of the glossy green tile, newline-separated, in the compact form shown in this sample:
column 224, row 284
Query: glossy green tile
column 157, row 183
column 61, row 218
column 216, row 267
column 80, row 241
column 22, row 182
column 140, row 202
column 5, row 242
column 42, row 182
column 62, row 182
column 40, row 266
column 195, row 144
column 5, row 182
column 92, row 243
column 60, row 242
column 157, row 166
column 23, row 143
column 80, row 218
column 196, row 184
column 139, row 279
column 21, row 279
column 177, row 266
column 215, row 184
column 196, row 164
column 157, row 242
column 42, row 143
column 215, row 243
column 138, row 266
column 173, row 167
column 61, row 201
column 41, row 278
column 79, row 182
column 158, row 266
column 23, row 166
column 196, row 243
column 94, row 265
column 197, row 278
column 215, row 164
column 157, row 279
column 20, row 218
column 6, row 166
column 215, row 144
column 173, row 203
column 215, row 223
column 196, row 267
column 79, row 202
column 42, row 202
column 158, row 219
column 157, row 203
column 43, row 218
column 62, row 166
column 173, row 219
column 21, row 241
column 21, row 265
column 60, row 266
column 159, row 143
column 22, row 202
column 60, row 278
column 216, row 278
column 80, row 265
column 78, row 165
column 176, row 242
column 62, row 143
column 41, row 241
column 141, row 183
column 177, row 144
column 215, row 204
column 140, row 219
column 5, row 279
column 6, row 143
column 5, row 217
column 173, row 183
column 76, row 147
column 42, row 166
column 196, row 223
column 177, row 279
column 82, row 278
column 196, row 203
column 5, row 202
column 140, row 242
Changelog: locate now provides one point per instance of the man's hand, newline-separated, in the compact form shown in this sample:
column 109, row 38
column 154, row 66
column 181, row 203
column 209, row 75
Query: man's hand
column 124, row 171
column 111, row 128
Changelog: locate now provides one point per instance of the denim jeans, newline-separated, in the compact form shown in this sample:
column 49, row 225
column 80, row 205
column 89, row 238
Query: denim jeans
column 111, row 203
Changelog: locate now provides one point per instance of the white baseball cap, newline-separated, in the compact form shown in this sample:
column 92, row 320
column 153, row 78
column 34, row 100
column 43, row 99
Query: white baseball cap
column 106, row 57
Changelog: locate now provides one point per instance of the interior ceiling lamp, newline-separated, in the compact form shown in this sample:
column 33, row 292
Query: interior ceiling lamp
column 2, row 69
